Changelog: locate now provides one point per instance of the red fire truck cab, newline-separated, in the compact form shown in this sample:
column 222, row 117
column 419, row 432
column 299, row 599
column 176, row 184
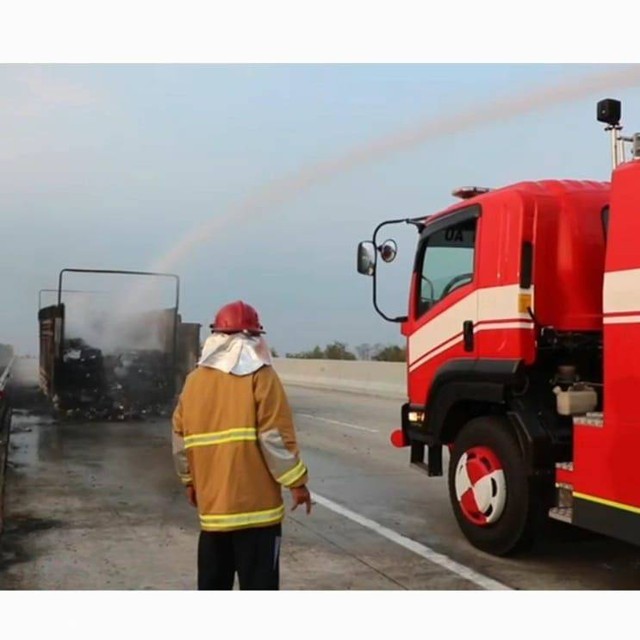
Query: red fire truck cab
column 523, row 352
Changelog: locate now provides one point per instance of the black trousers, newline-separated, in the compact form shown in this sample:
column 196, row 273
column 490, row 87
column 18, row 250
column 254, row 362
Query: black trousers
column 254, row 554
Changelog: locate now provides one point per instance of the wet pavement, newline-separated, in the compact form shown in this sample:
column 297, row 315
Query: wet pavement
column 97, row 506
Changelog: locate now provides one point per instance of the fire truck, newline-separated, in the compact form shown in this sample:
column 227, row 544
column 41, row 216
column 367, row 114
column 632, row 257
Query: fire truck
column 523, row 352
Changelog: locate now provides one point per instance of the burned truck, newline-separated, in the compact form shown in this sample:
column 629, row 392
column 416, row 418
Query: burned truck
column 135, row 373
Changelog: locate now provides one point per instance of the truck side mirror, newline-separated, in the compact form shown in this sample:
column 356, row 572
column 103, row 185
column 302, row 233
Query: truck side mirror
column 366, row 258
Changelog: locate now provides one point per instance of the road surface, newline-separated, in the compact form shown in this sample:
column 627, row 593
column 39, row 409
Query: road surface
column 96, row 506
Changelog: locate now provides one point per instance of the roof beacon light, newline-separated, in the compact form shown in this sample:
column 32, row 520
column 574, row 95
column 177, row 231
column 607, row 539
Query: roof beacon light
column 464, row 193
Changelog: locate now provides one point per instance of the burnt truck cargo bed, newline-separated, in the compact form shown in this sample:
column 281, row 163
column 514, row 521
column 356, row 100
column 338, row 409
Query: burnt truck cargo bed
column 138, row 378
column 84, row 382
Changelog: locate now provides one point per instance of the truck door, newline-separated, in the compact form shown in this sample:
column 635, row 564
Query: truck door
column 443, row 306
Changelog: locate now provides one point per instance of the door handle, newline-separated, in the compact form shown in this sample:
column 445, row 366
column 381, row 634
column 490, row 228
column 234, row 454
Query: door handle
column 467, row 333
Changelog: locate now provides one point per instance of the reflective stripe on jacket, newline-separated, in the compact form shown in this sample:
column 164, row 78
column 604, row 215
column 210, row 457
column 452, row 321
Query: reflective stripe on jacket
column 235, row 442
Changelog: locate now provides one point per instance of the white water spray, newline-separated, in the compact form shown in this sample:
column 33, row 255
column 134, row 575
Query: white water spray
column 279, row 191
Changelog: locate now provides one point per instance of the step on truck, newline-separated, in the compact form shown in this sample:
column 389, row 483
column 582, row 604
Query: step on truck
column 523, row 351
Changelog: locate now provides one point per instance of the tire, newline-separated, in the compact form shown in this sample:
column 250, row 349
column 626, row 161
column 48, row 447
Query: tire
column 496, row 505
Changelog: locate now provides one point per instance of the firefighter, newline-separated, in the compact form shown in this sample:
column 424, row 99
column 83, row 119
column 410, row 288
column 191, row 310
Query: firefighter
column 234, row 448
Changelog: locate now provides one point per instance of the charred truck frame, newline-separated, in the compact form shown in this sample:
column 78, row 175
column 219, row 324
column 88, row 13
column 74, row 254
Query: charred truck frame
column 80, row 379
column 523, row 335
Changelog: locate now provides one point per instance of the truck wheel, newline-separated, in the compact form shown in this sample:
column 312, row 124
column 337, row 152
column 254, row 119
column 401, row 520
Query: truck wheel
column 492, row 498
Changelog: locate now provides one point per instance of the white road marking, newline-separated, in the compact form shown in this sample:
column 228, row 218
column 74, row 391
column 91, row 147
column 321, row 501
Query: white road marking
column 422, row 550
column 337, row 422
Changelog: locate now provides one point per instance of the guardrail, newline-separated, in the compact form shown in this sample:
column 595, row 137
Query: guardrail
column 5, row 428
column 4, row 377
column 381, row 379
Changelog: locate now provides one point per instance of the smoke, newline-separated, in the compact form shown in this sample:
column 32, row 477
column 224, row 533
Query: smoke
column 24, row 372
column 281, row 190
column 109, row 331
column 113, row 322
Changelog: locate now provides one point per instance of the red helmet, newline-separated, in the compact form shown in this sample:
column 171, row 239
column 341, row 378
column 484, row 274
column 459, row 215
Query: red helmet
column 235, row 317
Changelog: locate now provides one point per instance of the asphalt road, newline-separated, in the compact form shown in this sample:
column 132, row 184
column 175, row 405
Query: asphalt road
column 96, row 506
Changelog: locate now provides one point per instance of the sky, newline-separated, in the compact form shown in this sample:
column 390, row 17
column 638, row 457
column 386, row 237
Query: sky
column 110, row 167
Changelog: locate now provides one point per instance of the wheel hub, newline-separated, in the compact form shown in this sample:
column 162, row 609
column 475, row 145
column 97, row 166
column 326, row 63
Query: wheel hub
column 481, row 487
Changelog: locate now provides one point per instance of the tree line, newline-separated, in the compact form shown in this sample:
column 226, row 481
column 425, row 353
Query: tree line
column 340, row 351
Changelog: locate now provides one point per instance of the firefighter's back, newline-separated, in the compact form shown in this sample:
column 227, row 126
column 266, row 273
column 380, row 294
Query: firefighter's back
column 219, row 421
